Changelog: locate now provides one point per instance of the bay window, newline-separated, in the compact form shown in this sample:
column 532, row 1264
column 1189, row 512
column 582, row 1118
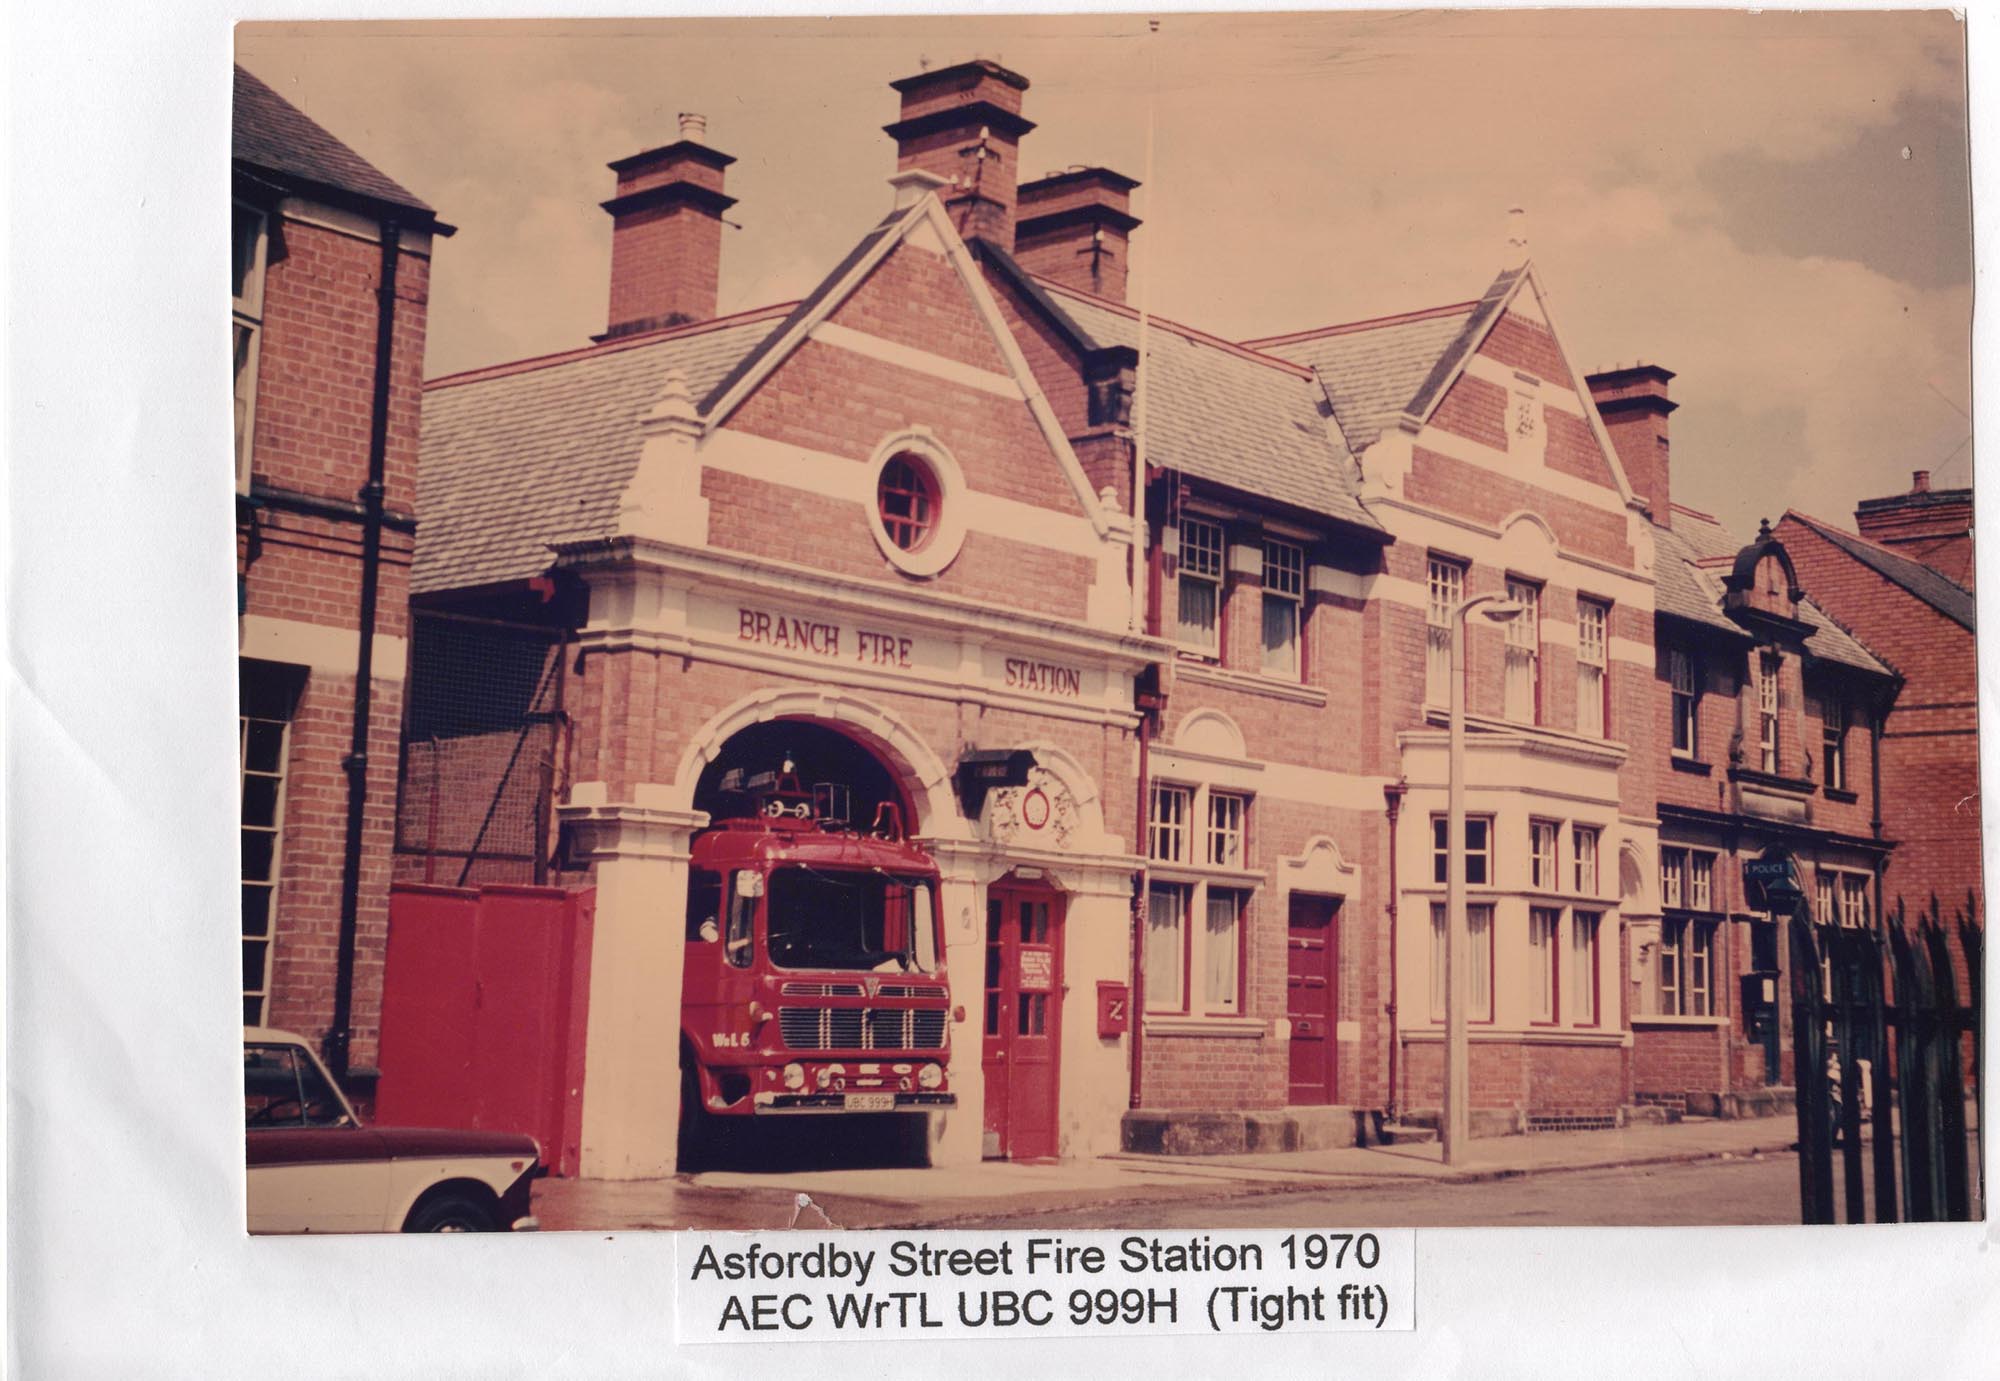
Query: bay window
column 1542, row 836
column 1479, row 937
column 1478, row 850
column 1582, row 993
column 1584, row 842
column 1544, row 922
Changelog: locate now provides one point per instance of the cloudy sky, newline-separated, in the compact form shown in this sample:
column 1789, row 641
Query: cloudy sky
column 1774, row 206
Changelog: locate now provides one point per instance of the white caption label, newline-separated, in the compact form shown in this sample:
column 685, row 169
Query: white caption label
column 823, row 1287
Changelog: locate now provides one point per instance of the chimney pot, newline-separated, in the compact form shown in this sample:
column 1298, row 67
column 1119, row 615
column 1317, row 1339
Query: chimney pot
column 694, row 127
column 1920, row 482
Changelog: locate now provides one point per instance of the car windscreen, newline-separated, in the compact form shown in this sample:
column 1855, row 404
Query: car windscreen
column 283, row 1088
column 834, row 918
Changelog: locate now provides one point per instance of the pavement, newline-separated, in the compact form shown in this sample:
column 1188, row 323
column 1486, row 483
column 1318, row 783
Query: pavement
column 940, row 1196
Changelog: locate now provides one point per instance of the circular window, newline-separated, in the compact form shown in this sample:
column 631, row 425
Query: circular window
column 907, row 499
column 918, row 510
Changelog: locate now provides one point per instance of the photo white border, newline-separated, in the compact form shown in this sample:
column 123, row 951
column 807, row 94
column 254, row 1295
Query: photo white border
column 124, row 1153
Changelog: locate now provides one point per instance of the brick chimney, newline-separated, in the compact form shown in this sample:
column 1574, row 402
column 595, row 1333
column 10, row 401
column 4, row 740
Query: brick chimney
column 666, row 235
column 1933, row 526
column 1634, row 405
column 964, row 124
column 1075, row 227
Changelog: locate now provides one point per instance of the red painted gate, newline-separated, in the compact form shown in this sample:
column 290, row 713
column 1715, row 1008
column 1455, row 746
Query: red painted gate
column 1022, row 1053
column 484, row 1000
column 1311, row 997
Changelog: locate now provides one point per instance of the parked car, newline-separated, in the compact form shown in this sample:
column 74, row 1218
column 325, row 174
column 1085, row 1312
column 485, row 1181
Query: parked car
column 313, row 1166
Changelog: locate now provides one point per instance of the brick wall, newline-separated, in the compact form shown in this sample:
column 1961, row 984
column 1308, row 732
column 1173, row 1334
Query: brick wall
column 1680, row 1060
column 1541, row 1080
column 1930, row 764
column 315, row 389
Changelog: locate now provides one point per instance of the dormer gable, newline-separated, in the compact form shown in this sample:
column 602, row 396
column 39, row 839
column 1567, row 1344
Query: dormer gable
column 1761, row 591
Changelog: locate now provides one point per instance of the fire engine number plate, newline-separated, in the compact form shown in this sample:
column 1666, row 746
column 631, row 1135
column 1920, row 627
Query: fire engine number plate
column 871, row 1102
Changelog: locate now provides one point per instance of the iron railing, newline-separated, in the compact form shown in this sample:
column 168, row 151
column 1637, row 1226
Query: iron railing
column 1887, row 1045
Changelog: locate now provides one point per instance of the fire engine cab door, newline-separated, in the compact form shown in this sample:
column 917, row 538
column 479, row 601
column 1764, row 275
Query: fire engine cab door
column 1311, row 997
column 1021, row 1057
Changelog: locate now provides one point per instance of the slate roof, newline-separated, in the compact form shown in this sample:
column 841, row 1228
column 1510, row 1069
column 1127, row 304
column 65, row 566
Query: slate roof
column 1946, row 596
column 1222, row 414
column 1371, row 370
column 1684, row 591
column 520, row 457
column 271, row 133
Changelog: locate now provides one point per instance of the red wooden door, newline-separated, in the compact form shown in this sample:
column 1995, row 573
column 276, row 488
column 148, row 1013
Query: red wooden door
column 1021, row 1054
column 1311, row 996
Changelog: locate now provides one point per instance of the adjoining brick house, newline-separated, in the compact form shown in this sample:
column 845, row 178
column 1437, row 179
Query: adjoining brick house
column 316, row 232
column 1481, row 452
column 1921, row 619
column 689, row 544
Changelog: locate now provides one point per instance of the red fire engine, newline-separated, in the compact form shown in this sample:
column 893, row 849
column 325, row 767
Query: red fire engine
column 815, row 959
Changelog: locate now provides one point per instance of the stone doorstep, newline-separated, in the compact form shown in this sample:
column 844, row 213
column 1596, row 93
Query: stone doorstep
column 1188, row 1132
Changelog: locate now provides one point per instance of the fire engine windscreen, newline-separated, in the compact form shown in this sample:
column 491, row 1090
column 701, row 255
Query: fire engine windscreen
column 828, row 918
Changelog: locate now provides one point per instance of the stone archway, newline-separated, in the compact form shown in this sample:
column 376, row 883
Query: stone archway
column 924, row 776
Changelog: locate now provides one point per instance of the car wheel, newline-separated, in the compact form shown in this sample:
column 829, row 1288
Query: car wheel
column 451, row 1213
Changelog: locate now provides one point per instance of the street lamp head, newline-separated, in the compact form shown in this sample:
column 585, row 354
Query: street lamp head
column 1504, row 610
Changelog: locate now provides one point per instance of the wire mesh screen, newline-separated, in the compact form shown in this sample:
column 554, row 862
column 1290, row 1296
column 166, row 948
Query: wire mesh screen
column 482, row 751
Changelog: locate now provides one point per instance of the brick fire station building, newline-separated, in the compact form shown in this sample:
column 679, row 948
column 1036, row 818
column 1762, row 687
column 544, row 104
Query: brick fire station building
column 330, row 260
column 964, row 499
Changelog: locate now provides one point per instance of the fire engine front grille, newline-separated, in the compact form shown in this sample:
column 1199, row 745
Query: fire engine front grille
column 855, row 1028
column 822, row 990
column 912, row 990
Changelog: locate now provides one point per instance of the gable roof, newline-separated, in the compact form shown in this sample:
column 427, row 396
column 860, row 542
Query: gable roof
column 1371, row 370
column 924, row 217
column 1943, row 594
column 1430, row 350
column 1690, row 560
column 1224, row 413
column 270, row 133
column 520, row 456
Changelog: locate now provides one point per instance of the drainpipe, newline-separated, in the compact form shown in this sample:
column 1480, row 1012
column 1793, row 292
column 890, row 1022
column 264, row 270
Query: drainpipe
column 1139, row 902
column 1393, row 795
column 1875, row 714
column 340, row 1035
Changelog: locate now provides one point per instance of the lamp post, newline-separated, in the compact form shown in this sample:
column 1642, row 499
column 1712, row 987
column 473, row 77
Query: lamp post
column 1457, row 1042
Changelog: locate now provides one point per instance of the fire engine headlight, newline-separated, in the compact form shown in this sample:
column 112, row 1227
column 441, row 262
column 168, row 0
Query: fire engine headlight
column 930, row 1076
column 795, row 1076
column 825, row 1078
